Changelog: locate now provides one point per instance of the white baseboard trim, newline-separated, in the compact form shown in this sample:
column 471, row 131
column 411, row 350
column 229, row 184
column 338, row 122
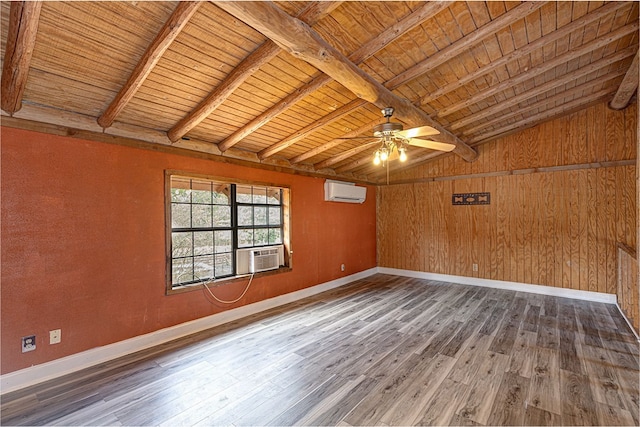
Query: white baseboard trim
column 499, row 284
column 75, row 362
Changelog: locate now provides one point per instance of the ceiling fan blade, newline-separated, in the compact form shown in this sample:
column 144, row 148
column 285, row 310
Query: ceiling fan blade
column 433, row 145
column 421, row 131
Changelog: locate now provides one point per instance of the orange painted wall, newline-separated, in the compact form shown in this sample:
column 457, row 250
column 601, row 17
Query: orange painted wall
column 83, row 243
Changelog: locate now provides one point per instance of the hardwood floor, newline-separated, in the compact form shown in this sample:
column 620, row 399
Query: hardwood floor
column 384, row 350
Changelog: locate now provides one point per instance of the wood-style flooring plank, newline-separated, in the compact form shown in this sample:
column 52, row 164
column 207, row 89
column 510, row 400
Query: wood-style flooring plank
column 471, row 326
column 539, row 417
column 406, row 409
column 522, row 354
column 604, row 381
column 477, row 404
column 589, row 335
column 371, row 409
column 459, row 420
column 469, row 361
column 614, row 416
column 383, row 350
column 490, row 325
column 506, row 334
column 510, row 402
column 531, row 319
column 628, row 384
column 545, row 381
column 440, row 410
column 316, row 401
column 578, row 406
column 290, row 395
column 335, row 410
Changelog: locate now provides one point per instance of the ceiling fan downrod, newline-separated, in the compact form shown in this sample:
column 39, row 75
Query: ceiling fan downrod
column 388, row 128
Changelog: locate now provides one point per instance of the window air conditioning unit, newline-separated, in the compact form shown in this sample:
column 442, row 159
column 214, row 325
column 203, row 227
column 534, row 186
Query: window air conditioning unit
column 255, row 260
column 348, row 192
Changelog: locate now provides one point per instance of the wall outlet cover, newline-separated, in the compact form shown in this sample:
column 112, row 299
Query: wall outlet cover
column 28, row 343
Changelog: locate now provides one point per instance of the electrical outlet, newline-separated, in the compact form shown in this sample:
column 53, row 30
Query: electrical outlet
column 55, row 336
column 475, row 267
column 28, row 343
column 342, row 267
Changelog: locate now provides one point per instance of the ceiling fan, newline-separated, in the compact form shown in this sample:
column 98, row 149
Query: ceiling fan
column 394, row 140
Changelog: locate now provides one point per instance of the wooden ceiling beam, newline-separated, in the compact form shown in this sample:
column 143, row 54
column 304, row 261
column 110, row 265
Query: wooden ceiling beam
column 345, row 155
column 249, row 65
column 498, row 109
column 627, row 88
column 465, row 43
column 525, row 50
column 168, row 33
column 21, row 40
column 301, row 41
column 406, row 24
column 546, row 115
column 544, row 67
column 272, row 112
column 335, row 142
column 57, row 122
column 364, row 52
column 302, row 133
column 503, row 115
column 362, row 161
column 558, row 111
column 545, row 87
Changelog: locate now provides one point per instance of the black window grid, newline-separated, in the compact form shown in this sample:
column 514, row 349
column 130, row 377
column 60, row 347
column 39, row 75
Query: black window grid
column 233, row 228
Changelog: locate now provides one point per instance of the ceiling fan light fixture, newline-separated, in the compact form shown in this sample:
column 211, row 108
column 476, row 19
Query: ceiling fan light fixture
column 376, row 158
column 384, row 154
column 403, row 154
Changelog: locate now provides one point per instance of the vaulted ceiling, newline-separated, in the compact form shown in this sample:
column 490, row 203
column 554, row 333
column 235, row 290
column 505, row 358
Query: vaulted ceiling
column 280, row 84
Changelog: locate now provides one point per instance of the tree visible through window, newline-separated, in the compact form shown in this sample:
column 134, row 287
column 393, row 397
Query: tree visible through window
column 259, row 216
column 210, row 220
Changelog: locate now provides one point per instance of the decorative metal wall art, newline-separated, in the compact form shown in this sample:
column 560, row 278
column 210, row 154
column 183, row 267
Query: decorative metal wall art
column 471, row 199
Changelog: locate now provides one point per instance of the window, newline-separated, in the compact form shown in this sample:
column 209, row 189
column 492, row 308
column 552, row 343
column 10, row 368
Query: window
column 259, row 213
column 208, row 220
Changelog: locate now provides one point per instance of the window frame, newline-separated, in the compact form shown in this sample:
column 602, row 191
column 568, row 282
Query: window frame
column 285, row 219
column 253, row 226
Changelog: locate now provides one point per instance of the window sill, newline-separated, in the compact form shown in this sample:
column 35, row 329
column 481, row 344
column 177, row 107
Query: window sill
column 227, row 281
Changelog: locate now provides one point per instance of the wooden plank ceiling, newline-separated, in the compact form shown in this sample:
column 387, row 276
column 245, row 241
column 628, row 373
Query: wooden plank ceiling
column 280, row 83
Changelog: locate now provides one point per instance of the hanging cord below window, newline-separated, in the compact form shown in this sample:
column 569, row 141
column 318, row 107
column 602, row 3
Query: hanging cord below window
column 206, row 286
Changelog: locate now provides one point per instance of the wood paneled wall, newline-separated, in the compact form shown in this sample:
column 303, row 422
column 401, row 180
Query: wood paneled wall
column 627, row 290
column 596, row 134
column 562, row 195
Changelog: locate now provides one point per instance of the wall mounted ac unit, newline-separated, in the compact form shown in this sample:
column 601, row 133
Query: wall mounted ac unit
column 338, row 191
column 255, row 260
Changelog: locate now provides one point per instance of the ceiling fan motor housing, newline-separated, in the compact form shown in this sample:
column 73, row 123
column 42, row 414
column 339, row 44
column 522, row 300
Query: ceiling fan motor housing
column 388, row 128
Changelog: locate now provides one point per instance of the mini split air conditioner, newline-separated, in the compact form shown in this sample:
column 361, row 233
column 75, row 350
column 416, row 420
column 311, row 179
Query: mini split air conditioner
column 255, row 260
column 348, row 192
